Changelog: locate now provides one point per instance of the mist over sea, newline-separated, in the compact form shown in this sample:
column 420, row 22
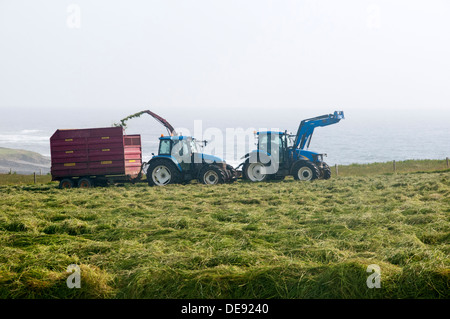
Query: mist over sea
column 362, row 137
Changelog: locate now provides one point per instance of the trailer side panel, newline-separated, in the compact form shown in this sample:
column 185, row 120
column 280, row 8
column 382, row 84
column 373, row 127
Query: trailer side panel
column 95, row 152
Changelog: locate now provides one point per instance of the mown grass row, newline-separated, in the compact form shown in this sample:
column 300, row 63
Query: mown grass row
column 283, row 239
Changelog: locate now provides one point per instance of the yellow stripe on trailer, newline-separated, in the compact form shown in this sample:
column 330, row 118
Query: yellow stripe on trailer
column 106, row 150
column 69, row 164
column 106, row 162
column 131, row 161
column 69, row 139
column 105, row 137
column 69, row 152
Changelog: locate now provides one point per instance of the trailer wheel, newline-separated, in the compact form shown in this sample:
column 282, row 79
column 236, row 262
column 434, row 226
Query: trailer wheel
column 85, row 182
column 66, row 183
column 211, row 175
column 305, row 171
column 162, row 172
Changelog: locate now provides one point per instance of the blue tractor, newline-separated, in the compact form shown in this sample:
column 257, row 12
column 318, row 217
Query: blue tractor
column 179, row 160
column 280, row 154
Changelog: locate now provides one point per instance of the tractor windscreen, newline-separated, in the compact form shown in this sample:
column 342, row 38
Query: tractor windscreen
column 290, row 140
column 194, row 146
column 164, row 147
column 180, row 148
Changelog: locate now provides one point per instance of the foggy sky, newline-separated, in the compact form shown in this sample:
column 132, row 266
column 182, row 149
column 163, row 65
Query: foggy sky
column 240, row 54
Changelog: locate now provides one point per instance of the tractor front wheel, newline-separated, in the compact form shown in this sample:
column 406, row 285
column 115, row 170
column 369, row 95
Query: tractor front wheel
column 306, row 171
column 231, row 174
column 325, row 172
column 211, row 175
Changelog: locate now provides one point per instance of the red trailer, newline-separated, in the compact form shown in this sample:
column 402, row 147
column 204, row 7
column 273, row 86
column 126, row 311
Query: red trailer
column 87, row 157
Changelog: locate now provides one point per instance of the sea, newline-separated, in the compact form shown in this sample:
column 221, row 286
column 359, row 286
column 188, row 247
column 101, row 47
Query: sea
column 364, row 136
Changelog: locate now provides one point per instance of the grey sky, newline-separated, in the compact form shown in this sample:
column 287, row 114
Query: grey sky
column 215, row 54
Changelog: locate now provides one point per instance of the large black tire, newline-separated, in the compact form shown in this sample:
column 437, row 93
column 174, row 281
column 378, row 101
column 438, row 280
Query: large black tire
column 212, row 175
column 251, row 172
column 162, row 172
column 66, row 183
column 85, row 182
column 305, row 171
column 325, row 172
column 232, row 174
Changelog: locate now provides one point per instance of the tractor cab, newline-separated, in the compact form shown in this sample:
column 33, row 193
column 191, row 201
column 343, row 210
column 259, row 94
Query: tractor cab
column 180, row 148
column 274, row 144
column 184, row 150
column 280, row 147
column 177, row 146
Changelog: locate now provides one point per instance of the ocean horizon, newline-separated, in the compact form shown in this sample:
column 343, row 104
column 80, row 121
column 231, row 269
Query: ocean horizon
column 362, row 137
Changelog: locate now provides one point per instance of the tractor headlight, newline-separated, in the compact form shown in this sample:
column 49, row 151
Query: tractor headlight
column 318, row 158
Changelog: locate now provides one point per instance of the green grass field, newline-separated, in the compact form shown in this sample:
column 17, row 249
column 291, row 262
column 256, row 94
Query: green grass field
column 285, row 239
column 16, row 179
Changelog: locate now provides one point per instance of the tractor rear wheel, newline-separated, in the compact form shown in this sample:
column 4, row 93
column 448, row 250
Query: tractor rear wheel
column 162, row 172
column 211, row 175
column 255, row 172
column 305, row 171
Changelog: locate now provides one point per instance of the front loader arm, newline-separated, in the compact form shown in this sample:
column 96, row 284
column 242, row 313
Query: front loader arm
column 306, row 127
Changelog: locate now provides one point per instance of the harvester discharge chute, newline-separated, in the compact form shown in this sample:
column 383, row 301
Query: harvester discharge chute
column 161, row 120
